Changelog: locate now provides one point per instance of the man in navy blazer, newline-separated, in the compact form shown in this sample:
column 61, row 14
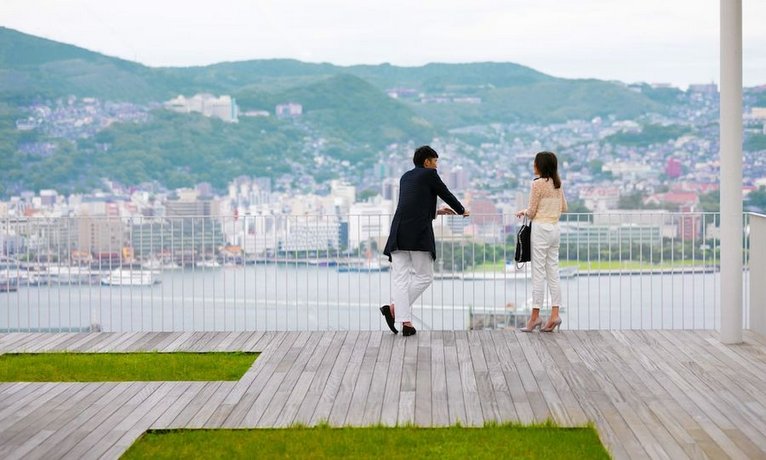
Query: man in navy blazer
column 411, row 246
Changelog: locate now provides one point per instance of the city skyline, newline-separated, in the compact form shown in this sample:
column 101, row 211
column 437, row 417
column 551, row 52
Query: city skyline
column 652, row 41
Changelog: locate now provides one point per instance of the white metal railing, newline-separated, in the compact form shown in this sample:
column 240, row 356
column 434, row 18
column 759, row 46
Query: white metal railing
column 622, row 270
column 755, row 269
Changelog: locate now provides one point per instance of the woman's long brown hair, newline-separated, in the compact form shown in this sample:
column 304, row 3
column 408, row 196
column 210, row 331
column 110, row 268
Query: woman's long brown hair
column 548, row 166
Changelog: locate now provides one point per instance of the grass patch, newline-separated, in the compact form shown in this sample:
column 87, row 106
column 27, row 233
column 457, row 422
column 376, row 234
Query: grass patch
column 491, row 442
column 123, row 367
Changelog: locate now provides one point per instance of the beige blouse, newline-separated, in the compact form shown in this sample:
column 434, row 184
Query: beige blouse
column 546, row 203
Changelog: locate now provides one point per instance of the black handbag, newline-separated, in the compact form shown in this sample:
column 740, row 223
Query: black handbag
column 523, row 243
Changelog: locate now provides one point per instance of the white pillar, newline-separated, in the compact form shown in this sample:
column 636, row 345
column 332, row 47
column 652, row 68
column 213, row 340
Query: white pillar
column 731, row 171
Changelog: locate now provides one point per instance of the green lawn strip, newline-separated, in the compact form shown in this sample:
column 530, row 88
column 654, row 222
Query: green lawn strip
column 490, row 442
column 123, row 367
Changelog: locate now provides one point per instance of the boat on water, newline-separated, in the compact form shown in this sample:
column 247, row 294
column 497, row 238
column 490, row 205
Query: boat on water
column 210, row 263
column 158, row 265
column 130, row 277
column 364, row 268
column 8, row 286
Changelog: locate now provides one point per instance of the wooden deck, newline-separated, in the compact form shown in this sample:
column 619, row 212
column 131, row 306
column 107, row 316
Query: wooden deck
column 651, row 394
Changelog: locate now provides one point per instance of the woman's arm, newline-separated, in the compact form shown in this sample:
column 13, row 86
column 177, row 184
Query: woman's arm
column 564, row 205
column 534, row 199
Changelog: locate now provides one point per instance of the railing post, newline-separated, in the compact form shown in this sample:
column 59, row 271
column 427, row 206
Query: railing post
column 757, row 265
column 731, row 171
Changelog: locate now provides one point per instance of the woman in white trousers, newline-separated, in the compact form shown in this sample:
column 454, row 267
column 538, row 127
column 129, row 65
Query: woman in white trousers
column 546, row 203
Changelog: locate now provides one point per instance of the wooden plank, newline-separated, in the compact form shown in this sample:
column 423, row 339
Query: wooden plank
column 24, row 397
column 654, row 438
column 227, row 340
column 28, row 435
column 83, row 341
column 530, row 343
column 130, row 344
column 152, row 408
column 390, row 405
column 263, row 387
column 355, row 413
column 534, row 395
column 342, row 402
column 501, row 393
column 455, row 402
column 35, row 411
column 473, row 409
column 260, row 341
column 423, row 394
column 374, row 402
column 92, row 342
column 193, row 405
column 155, row 340
column 406, row 410
column 279, row 386
column 239, row 342
column 439, row 398
column 599, row 395
column 307, row 409
column 24, row 340
column 118, row 340
column 48, row 342
column 293, row 366
column 587, row 390
column 98, row 431
column 522, row 408
column 570, row 404
column 178, row 397
column 201, row 418
column 109, row 339
column 132, row 424
column 63, row 440
column 332, row 387
column 8, row 390
column 180, row 339
column 712, row 398
column 248, row 388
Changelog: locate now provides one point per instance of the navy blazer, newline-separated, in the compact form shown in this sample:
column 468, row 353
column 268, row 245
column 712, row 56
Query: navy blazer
column 411, row 228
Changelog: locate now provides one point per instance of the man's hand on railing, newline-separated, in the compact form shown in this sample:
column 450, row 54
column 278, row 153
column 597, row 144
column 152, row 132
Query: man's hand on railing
column 450, row 212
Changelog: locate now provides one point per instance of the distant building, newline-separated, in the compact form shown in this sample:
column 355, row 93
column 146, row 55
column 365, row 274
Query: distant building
column 673, row 168
column 369, row 222
column 680, row 199
column 310, row 233
column 255, row 113
column 600, row 198
column 223, row 107
column 467, row 100
column 289, row 110
column 189, row 204
column 457, row 178
column 704, row 88
column 398, row 93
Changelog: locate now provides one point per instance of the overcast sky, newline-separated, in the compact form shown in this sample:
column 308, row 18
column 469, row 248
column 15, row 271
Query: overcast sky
column 674, row 41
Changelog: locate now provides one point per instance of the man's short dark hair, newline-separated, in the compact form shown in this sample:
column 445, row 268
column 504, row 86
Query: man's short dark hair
column 422, row 154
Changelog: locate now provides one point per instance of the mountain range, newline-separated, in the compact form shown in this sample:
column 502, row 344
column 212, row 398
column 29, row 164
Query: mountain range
column 346, row 105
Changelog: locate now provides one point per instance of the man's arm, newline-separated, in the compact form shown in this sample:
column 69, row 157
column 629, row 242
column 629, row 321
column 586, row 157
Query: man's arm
column 443, row 192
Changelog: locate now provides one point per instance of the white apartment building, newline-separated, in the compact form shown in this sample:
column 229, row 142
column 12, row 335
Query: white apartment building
column 223, row 107
column 370, row 222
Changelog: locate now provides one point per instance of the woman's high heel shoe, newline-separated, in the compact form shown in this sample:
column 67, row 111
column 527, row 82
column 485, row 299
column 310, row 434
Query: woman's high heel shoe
column 535, row 325
column 556, row 324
